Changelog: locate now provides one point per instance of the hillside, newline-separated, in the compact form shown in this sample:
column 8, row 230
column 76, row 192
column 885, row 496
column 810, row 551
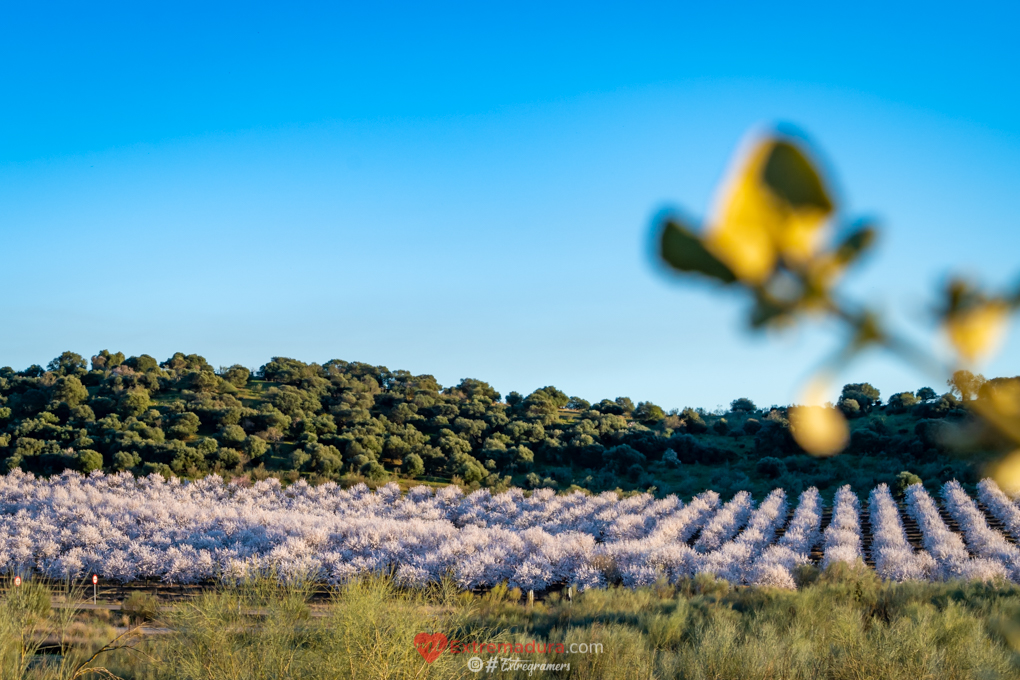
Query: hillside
column 352, row 422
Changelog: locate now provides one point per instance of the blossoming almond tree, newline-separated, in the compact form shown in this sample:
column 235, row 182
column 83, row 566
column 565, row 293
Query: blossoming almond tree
column 894, row 557
column 981, row 539
column 126, row 529
column 843, row 535
column 775, row 565
column 945, row 546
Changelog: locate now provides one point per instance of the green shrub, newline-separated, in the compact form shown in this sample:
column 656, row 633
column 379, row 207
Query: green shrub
column 29, row 600
column 232, row 435
column 140, row 606
column 125, row 460
column 255, row 446
column 375, row 471
column 89, row 460
column 670, row 459
column 905, row 479
column 844, row 623
column 770, row 467
column 229, row 458
column 413, row 466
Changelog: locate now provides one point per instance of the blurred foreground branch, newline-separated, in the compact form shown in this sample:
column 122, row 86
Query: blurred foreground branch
column 767, row 235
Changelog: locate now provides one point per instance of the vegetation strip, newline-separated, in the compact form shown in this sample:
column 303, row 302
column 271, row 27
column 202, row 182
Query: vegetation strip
column 981, row 539
column 124, row 529
column 946, row 546
column 777, row 562
column 895, row 558
column 843, row 535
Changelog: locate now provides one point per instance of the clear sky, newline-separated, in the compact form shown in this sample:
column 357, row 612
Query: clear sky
column 466, row 190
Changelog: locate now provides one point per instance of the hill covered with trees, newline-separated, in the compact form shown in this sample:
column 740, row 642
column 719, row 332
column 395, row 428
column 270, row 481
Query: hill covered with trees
column 353, row 422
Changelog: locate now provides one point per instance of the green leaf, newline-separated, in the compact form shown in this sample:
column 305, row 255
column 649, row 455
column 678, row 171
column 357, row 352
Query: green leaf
column 683, row 250
column 792, row 177
column 857, row 242
column 867, row 331
column 768, row 312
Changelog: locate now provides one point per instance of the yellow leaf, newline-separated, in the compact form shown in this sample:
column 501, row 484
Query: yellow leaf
column 1006, row 473
column 1004, row 398
column 741, row 235
column 799, row 237
column 978, row 331
column 999, row 405
column 826, row 267
column 773, row 205
column 820, row 430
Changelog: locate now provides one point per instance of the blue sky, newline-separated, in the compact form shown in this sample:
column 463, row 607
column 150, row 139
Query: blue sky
column 466, row 190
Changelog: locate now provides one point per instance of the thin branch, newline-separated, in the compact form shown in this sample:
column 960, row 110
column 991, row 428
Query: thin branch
column 99, row 669
column 922, row 360
column 108, row 647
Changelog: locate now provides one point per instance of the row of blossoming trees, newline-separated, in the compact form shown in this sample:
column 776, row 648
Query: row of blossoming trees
column 128, row 528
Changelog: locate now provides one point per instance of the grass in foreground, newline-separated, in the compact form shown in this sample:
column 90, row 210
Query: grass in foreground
column 840, row 624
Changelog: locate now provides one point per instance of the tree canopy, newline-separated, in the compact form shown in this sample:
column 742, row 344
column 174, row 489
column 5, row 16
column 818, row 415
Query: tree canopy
column 350, row 420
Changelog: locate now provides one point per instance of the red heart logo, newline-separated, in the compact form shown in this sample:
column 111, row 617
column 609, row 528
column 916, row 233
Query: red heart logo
column 430, row 646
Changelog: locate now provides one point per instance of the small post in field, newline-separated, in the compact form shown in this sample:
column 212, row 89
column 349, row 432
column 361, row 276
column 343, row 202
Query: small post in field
column 95, row 581
column 531, row 598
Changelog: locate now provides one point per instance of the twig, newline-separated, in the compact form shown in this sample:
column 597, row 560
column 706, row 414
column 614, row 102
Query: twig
column 108, row 647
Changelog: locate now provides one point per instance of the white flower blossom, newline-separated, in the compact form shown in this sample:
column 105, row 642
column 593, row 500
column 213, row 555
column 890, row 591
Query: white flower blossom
column 774, row 567
column 894, row 557
column 843, row 535
column 945, row 546
column 126, row 528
